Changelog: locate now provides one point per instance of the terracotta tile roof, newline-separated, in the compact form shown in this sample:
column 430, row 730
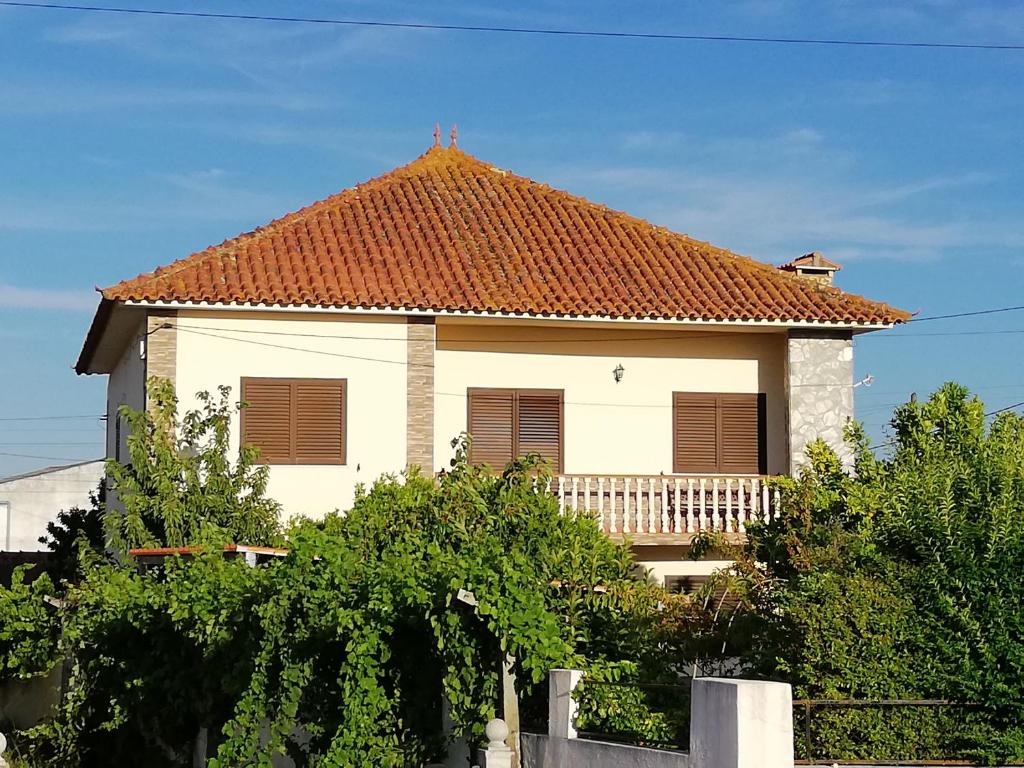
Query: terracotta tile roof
column 449, row 232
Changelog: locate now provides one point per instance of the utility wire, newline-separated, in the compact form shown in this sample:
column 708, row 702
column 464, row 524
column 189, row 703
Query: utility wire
column 665, row 336
column 47, row 418
column 91, row 442
column 1004, row 409
column 897, row 335
column 965, row 314
column 45, row 458
column 591, row 33
column 328, row 353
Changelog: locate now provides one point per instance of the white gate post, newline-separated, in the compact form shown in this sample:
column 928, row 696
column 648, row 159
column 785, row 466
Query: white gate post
column 741, row 724
column 562, row 706
column 498, row 754
column 3, row 748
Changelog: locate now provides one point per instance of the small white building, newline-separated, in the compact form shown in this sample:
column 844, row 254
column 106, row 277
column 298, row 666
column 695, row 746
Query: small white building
column 29, row 501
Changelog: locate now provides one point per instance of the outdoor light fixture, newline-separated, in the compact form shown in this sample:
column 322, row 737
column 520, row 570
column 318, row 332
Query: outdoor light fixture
column 617, row 372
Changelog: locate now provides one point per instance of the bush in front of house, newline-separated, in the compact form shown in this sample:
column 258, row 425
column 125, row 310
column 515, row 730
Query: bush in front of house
column 29, row 627
column 901, row 580
column 341, row 652
column 179, row 483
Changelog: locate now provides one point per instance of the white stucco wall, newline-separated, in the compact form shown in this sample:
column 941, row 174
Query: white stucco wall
column 126, row 385
column 29, row 502
column 215, row 348
column 611, row 428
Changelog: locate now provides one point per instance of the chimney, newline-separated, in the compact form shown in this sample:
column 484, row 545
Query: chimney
column 812, row 266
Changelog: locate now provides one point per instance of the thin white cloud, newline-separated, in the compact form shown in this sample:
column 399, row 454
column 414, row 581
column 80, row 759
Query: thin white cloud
column 789, row 192
column 175, row 199
column 68, row 98
column 50, row 299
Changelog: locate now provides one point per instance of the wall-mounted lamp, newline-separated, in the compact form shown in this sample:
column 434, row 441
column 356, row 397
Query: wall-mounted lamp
column 618, row 372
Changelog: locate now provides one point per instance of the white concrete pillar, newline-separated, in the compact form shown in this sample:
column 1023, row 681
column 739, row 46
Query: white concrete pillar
column 498, row 754
column 562, row 706
column 741, row 724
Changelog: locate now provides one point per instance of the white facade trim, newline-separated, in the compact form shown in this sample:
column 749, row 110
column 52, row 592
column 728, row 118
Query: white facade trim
column 406, row 311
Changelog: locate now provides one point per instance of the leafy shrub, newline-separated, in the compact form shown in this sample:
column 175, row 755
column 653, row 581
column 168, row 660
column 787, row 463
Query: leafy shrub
column 180, row 484
column 29, row 628
column 898, row 582
column 340, row 654
column 73, row 530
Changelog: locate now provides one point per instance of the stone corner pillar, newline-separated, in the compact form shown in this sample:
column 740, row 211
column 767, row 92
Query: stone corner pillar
column 162, row 345
column 419, row 393
column 819, row 391
column 740, row 724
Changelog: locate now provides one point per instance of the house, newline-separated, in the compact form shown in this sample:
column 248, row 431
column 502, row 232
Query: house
column 29, row 501
column 663, row 377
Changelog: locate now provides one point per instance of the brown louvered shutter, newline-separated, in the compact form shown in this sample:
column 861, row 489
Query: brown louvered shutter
column 319, row 421
column 718, row 433
column 540, row 426
column 695, row 432
column 267, row 419
column 740, row 446
column 295, row 421
column 491, row 418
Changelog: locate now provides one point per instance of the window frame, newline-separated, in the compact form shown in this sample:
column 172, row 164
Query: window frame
column 293, row 381
column 515, row 392
column 762, row 433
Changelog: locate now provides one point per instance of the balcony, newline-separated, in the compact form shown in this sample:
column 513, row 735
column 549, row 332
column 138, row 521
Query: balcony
column 668, row 509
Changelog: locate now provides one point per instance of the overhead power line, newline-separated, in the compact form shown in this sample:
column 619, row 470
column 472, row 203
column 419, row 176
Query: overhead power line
column 44, row 458
column 897, row 335
column 997, row 411
column 975, row 313
column 592, row 33
column 1007, row 408
column 47, row 418
column 670, row 335
column 91, row 442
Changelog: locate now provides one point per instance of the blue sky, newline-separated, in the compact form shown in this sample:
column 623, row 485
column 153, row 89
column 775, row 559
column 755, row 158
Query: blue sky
column 128, row 142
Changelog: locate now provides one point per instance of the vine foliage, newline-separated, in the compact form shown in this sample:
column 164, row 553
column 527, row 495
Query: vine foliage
column 341, row 653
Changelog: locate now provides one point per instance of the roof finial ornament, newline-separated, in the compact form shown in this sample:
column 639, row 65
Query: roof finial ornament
column 455, row 136
column 437, row 134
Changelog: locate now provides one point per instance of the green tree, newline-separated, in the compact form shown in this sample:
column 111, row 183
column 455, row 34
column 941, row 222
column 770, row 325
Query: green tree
column 180, row 485
column 899, row 580
column 75, row 529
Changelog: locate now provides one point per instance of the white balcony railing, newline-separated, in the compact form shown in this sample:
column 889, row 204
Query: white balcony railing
column 667, row 505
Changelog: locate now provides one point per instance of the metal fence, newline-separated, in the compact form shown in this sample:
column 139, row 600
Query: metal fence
column 640, row 714
column 849, row 732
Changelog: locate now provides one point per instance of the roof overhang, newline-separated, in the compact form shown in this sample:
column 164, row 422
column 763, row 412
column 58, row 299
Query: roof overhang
column 113, row 326
column 739, row 324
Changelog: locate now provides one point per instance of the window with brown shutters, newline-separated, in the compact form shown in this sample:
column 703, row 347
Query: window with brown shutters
column 718, row 433
column 506, row 423
column 295, row 421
